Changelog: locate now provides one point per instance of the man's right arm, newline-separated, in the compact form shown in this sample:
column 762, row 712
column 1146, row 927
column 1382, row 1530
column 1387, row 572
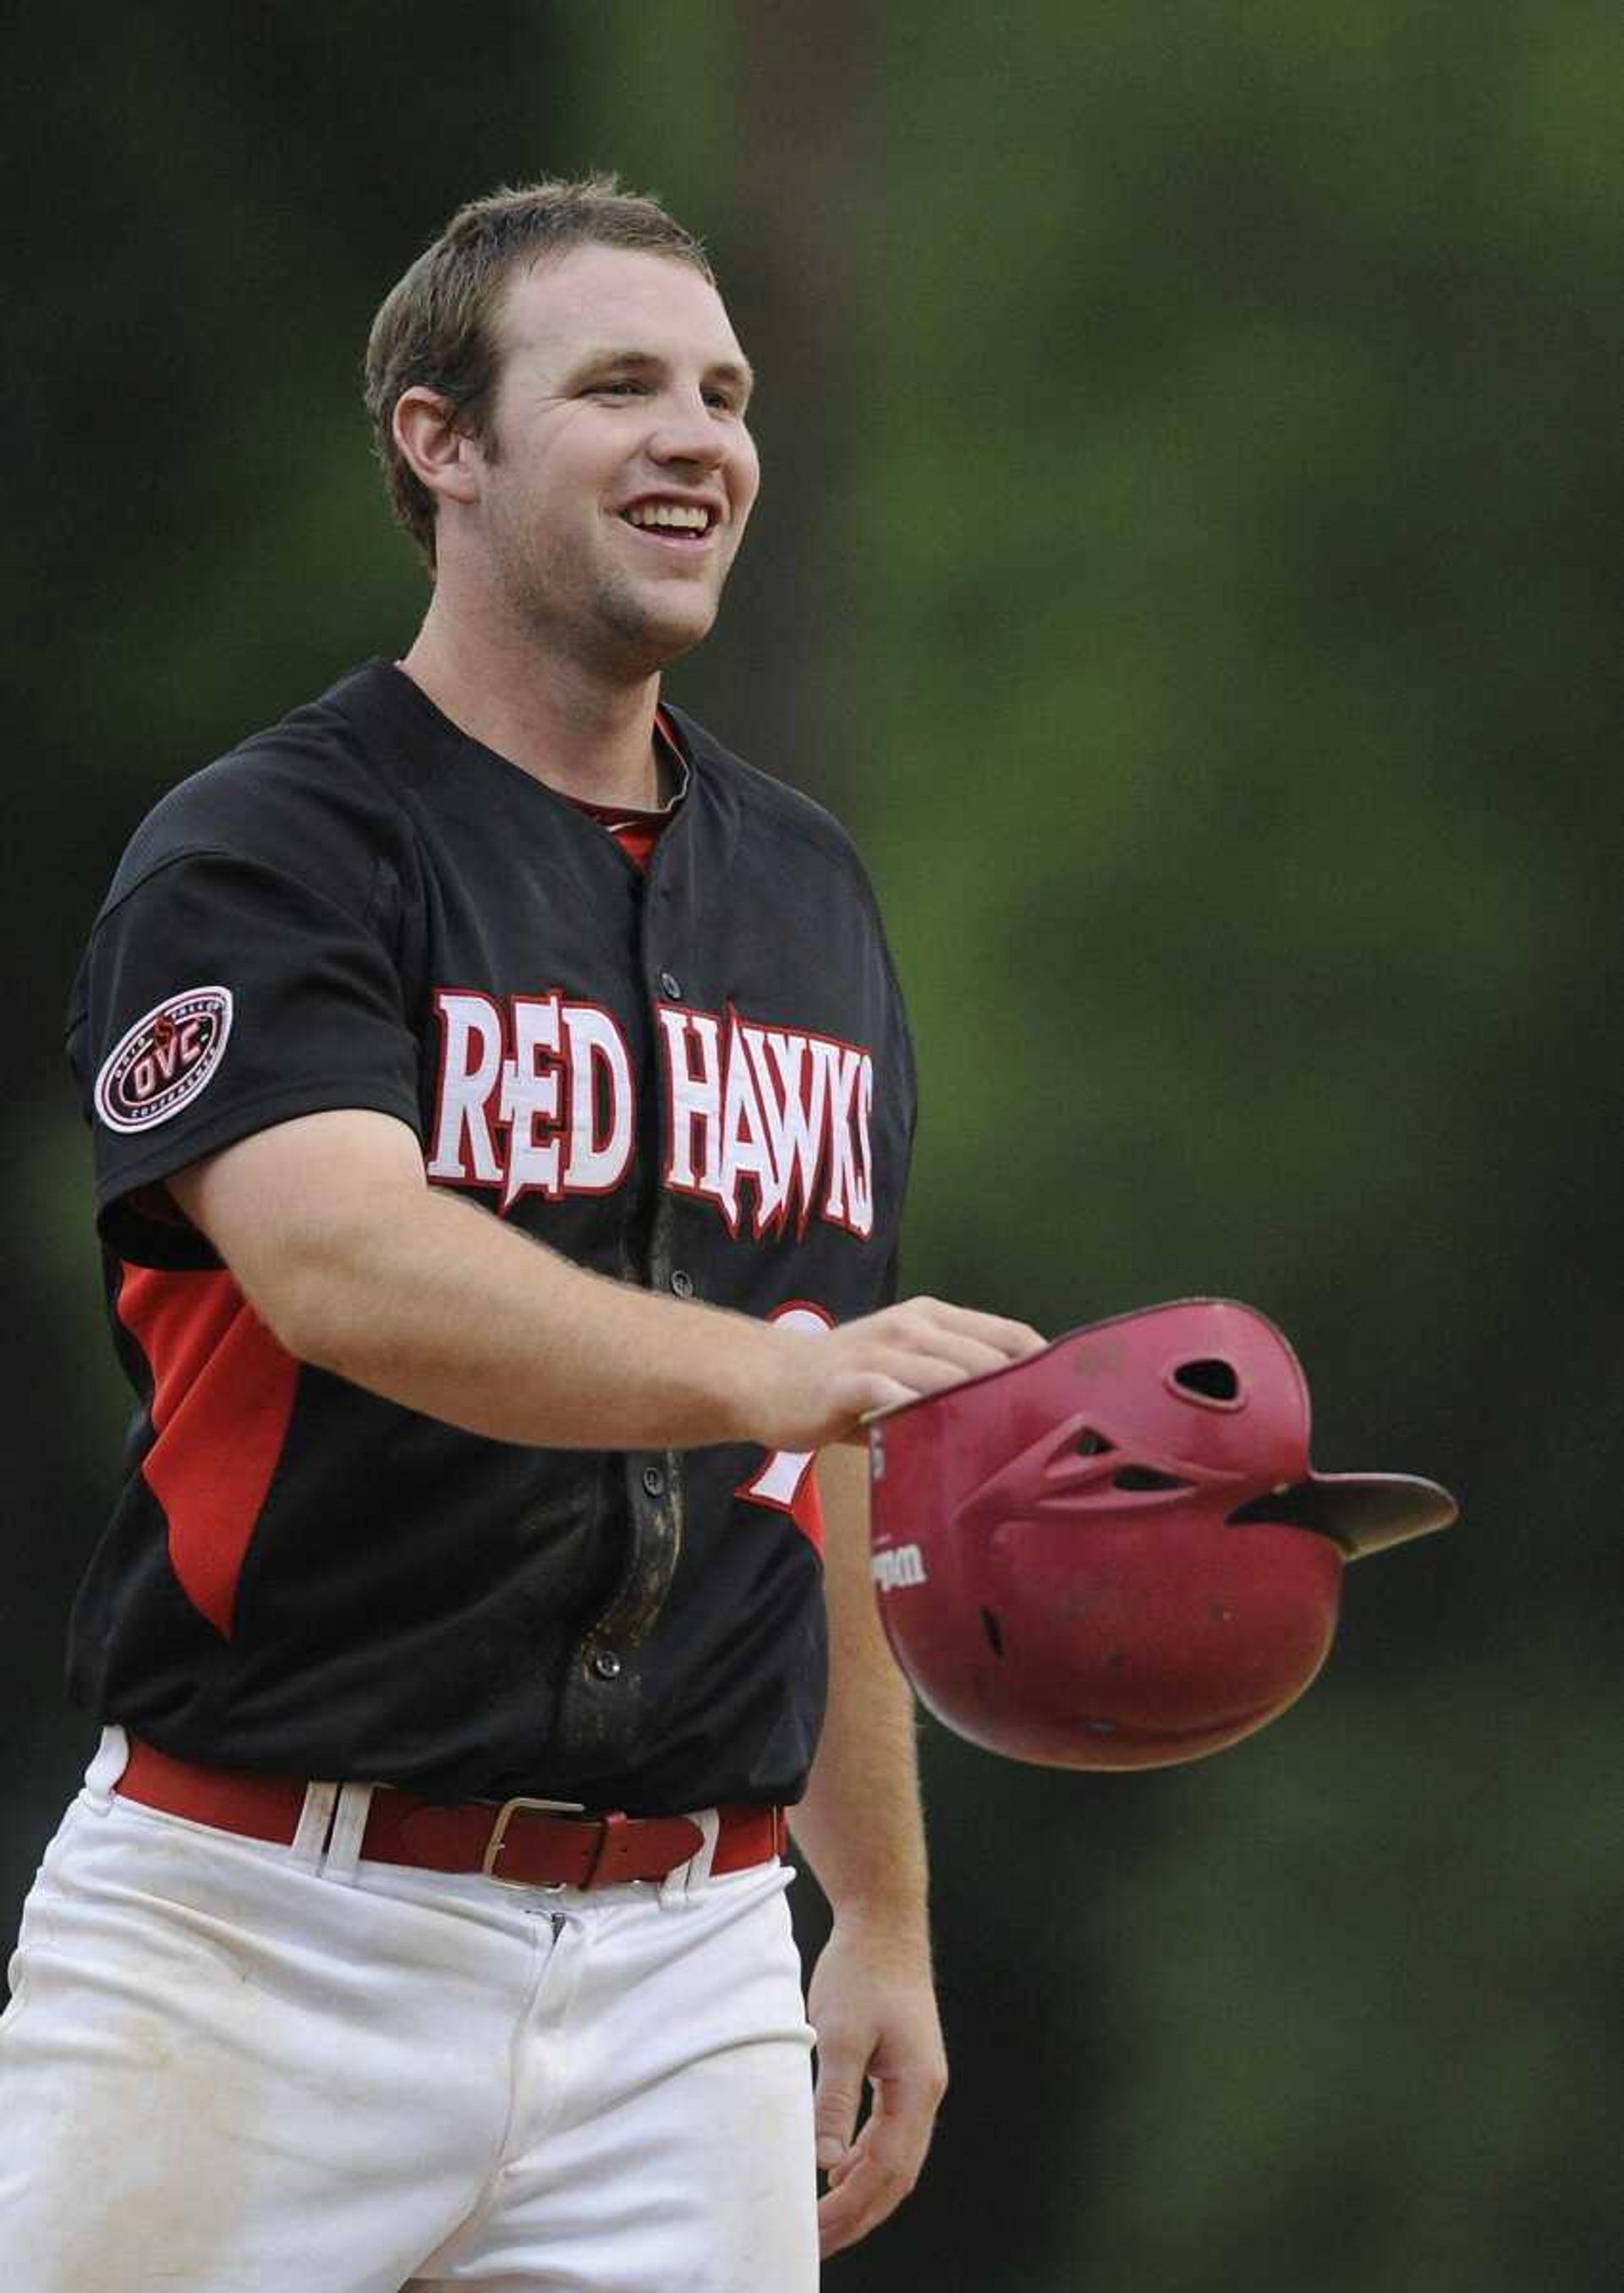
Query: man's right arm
column 357, row 1265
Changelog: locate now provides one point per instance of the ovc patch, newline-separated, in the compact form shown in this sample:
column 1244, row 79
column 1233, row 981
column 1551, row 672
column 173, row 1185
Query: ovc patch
column 165, row 1060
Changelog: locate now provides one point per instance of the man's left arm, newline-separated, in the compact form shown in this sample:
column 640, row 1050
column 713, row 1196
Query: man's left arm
column 872, row 2001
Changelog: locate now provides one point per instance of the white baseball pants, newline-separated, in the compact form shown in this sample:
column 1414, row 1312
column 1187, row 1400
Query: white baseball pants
column 235, row 2068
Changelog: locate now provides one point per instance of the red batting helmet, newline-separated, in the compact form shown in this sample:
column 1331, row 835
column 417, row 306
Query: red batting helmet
column 1115, row 1553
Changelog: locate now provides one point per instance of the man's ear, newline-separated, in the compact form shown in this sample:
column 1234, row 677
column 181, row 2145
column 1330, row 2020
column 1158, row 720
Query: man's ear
column 436, row 449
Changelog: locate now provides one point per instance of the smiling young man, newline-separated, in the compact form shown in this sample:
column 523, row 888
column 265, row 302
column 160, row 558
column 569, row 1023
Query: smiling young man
column 502, row 1102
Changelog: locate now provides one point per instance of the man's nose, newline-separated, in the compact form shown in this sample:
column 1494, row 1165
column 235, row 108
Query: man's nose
column 687, row 432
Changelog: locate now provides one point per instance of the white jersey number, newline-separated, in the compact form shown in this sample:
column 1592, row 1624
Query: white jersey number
column 781, row 1479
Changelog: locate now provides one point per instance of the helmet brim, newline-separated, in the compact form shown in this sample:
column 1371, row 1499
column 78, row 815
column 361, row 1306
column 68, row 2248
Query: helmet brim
column 1361, row 1513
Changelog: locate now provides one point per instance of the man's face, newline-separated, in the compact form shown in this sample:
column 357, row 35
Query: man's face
column 622, row 473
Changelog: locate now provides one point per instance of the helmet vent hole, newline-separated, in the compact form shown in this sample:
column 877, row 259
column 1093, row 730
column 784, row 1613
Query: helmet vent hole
column 994, row 1636
column 1209, row 1380
column 1145, row 1478
column 1090, row 1444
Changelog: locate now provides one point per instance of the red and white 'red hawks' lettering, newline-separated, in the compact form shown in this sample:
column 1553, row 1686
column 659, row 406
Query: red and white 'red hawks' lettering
column 536, row 1095
column 789, row 1112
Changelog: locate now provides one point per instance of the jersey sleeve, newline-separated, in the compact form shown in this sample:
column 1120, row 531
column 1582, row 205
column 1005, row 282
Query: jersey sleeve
column 220, row 995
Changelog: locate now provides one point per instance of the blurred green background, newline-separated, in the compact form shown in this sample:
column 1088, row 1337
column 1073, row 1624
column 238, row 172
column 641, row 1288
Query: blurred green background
column 1188, row 559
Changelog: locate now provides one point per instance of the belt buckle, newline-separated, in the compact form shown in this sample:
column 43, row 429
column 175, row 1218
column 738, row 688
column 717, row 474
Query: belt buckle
column 505, row 1814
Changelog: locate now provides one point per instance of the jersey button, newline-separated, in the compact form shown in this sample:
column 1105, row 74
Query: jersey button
column 682, row 1282
column 654, row 1480
column 671, row 986
column 606, row 1665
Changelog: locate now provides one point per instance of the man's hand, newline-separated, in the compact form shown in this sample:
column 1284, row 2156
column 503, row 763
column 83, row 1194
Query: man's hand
column 811, row 1391
column 873, row 2007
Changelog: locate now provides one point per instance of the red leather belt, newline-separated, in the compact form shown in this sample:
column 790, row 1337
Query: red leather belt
column 524, row 1843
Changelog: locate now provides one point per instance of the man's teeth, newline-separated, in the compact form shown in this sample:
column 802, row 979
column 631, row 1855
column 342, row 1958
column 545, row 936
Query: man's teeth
column 689, row 519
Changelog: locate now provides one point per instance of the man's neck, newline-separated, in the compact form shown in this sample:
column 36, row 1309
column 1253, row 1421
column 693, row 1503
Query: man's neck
column 580, row 734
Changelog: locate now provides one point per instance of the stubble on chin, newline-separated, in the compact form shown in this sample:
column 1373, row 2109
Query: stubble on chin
column 600, row 615
column 639, row 637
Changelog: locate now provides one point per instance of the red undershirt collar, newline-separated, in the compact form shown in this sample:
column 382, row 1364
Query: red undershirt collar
column 637, row 832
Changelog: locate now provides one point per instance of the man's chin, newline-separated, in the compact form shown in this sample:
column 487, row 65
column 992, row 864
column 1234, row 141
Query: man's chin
column 649, row 639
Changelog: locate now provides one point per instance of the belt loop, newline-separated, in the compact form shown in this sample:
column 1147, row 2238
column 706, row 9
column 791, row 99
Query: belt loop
column 316, row 1821
column 349, row 1826
column 690, row 1876
column 111, row 1758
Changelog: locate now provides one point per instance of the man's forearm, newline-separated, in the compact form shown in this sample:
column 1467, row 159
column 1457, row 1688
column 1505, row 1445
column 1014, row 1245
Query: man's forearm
column 359, row 1266
column 871, row 2000
column 429, row 1301
column 860, row 1823
column 468, row 1321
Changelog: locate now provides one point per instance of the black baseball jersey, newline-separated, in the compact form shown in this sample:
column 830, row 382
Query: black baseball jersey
column 697, row 1078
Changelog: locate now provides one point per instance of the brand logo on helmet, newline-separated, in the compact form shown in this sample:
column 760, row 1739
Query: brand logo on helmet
column 165, row 1060
column 901, row 1565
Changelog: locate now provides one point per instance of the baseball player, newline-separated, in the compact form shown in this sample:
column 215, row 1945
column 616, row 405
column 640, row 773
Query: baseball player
column 501, row 1101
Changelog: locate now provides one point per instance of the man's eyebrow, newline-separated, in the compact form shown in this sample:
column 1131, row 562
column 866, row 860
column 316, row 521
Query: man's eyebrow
column 736, row 371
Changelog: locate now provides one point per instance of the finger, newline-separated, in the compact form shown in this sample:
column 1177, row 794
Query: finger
column 923, row 1372
column 971, row 1355
column 881, row 2167
column 835, row 2099
column 900, row 2124
column 856, row 1400
column 907, row 1377
column 1010, row 1340
column 863, row 1395
column 861, row 2201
